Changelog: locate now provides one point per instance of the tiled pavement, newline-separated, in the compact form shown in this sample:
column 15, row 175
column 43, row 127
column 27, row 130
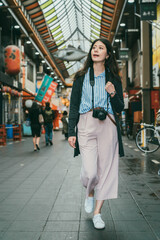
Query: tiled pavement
column 41, row 197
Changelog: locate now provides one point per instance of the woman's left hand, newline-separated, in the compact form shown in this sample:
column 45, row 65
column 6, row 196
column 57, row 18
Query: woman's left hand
column 110, row 87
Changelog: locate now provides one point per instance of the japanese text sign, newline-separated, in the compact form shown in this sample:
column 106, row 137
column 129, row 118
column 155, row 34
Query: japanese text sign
column 49, row 92
column 43, row 91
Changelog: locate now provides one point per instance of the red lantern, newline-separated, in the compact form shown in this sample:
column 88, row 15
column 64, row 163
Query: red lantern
column 4, row 89
column 12, row 91
column 15, row 92
column 9, row 90
column 12, row 60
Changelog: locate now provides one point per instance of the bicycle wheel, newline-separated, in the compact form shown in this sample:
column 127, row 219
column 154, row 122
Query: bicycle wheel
column 147, row 140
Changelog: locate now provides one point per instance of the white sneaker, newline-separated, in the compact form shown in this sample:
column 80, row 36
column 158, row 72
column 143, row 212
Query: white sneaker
column 98, row 222
column 89, row 204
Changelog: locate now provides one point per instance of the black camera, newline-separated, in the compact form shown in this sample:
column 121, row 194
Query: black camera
column 99, row 113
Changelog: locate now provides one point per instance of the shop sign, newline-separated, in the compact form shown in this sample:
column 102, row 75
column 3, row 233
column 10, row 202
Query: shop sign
column 15, row 83
column 155, row 100
column 124, row 54
column 155, row 75
column 148, row 9
column 45, row 89
column 50, row 92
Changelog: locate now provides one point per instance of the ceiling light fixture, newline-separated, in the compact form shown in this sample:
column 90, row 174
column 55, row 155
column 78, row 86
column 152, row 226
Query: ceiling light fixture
column 117, row 40
column 130, row 1
column 16, row 27
column 122, row 24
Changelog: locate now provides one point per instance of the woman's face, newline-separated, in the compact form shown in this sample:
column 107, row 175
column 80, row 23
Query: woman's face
column 99, row 52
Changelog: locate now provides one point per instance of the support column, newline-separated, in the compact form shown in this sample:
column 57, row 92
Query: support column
column 146, row 59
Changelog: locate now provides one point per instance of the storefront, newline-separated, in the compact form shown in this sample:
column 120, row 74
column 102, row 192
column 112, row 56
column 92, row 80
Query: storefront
column 11, row 104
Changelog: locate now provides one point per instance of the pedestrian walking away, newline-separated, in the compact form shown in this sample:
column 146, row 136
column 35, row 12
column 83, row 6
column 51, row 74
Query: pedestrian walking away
column 49, row 116
column 34, row 113
column 64, row 120
column 94, row 130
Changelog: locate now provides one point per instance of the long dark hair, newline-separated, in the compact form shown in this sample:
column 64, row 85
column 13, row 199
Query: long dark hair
column 110, row 63
column 34, row 107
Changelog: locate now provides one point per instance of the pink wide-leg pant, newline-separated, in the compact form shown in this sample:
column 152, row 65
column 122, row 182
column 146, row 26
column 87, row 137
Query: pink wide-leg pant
column 99, row 151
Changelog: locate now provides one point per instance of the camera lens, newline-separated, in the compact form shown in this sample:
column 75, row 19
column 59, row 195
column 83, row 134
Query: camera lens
column 101, row 116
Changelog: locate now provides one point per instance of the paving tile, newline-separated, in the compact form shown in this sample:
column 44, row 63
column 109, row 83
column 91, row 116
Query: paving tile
column 137, row 194
column 64, row 216
column 3, row 195
column 62, row 226
column 126, row 214
column 120, row 201
column 4, row 225
column 154, row 201
column 9, row 212
column 34, row 212
column 59, row 236
column 132, row 226
column 135, row 236
column 26, row 226
column 151, row 216
column 150, row 208
column 155, row 224
column 20, row 236
column 19, row 199
column 97, row 235
column 66, row 207
column 124, row 195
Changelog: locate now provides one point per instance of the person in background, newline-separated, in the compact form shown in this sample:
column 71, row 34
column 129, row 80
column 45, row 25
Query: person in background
column 49, row 116
column 34, row 112
column 94, row 126
column 64, row 120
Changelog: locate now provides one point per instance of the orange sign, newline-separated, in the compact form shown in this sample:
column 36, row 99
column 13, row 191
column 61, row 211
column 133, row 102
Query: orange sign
column 50, row 92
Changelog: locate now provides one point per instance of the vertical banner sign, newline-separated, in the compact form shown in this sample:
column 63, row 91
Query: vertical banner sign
column 49, row 92
column 44, row 87
column 148, row 9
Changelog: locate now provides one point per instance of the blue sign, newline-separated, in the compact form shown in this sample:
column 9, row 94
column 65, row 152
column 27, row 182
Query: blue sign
column 44, row 87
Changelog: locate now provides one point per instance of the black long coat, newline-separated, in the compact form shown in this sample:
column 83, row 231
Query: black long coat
column 117, row 104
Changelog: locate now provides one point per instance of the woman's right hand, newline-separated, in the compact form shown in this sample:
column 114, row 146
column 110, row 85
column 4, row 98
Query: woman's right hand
column 72, row 141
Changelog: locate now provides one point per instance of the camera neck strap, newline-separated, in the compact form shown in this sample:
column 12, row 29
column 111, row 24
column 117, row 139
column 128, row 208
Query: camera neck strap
column 91, row 75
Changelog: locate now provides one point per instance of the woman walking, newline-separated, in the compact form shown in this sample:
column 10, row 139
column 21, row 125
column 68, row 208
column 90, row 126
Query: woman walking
column 94, row 129
column 35, row 125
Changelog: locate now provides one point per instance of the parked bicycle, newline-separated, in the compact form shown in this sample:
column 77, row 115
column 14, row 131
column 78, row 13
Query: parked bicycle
column 148, row 138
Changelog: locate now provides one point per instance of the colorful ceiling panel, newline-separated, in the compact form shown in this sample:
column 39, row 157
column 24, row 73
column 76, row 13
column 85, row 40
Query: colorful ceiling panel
column 64, row 23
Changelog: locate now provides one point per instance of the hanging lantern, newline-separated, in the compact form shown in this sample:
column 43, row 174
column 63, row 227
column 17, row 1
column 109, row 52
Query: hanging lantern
column 4, row 89
column 12, row 60
column 28, row 103
column 12, row 91
column 15, row 92
column 8, row 89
